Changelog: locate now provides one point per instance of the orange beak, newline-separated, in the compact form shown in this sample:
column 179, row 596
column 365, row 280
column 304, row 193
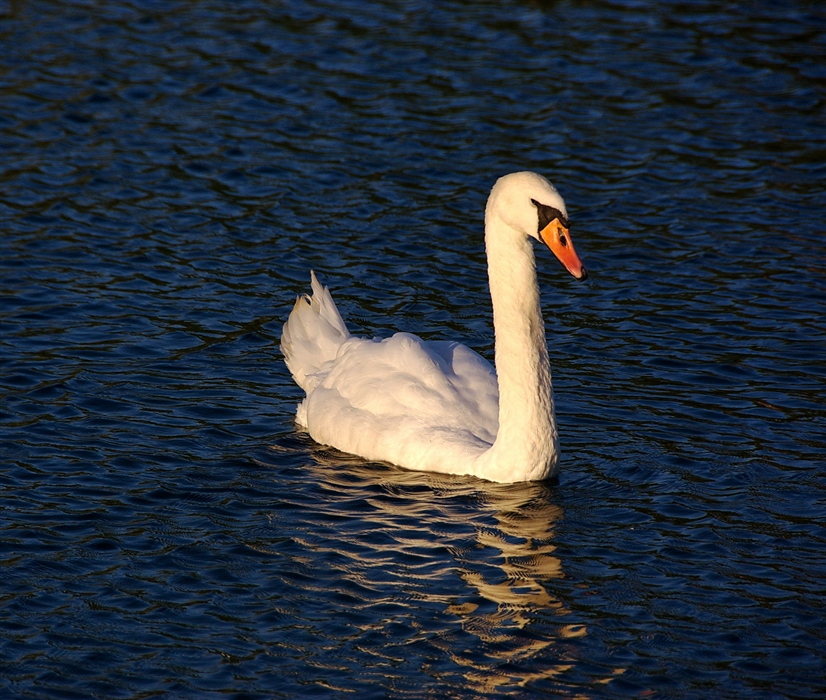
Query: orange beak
column 557, row 238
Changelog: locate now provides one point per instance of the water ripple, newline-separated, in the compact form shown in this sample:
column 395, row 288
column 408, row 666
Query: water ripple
column 169, row 176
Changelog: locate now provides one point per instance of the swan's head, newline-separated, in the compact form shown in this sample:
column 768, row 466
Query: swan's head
column 530, row 204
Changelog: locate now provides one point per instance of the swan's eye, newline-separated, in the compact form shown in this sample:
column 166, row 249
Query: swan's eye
column 547, row 214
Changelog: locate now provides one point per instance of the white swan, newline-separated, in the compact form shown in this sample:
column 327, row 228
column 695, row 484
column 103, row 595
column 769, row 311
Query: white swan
column 438, row 406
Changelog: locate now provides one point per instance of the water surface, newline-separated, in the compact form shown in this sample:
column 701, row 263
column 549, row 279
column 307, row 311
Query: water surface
column 169, row 173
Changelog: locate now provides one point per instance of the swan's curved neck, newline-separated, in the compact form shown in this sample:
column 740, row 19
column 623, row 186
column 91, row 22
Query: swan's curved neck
column 526, row 444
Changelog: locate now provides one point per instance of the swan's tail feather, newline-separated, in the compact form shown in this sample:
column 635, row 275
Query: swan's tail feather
column 312, row 334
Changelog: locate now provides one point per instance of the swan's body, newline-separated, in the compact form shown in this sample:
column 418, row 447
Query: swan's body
column 439, row 406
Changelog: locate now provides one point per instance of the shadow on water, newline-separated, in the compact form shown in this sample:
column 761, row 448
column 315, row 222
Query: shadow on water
column 470, row 566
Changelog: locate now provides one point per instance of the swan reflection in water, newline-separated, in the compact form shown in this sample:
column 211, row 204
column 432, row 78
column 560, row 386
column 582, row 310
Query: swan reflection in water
column 451, row 570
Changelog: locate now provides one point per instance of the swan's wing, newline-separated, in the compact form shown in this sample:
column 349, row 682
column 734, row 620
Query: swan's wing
column 404, row 392
column 474, row 378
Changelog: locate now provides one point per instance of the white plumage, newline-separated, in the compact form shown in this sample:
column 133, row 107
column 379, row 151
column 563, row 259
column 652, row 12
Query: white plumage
column 439, row 406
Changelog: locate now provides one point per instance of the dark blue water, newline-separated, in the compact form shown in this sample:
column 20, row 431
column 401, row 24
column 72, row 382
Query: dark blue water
column 169, row 173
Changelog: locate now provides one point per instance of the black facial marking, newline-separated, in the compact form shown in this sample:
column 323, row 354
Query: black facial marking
column 548, row 214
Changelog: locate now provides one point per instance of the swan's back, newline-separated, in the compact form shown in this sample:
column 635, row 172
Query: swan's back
column 426, row 405
column 406, row 401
